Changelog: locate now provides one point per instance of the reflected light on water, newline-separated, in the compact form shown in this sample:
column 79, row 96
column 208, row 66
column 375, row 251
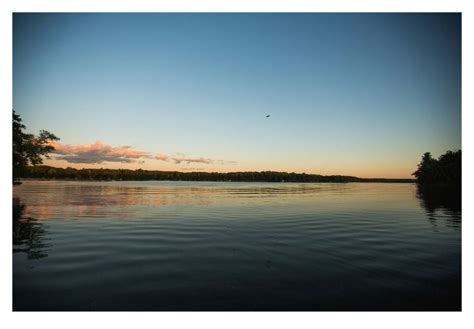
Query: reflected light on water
column 234, row 246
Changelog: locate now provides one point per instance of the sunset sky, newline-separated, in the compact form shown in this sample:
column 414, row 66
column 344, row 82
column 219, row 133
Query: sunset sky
column 350, row 94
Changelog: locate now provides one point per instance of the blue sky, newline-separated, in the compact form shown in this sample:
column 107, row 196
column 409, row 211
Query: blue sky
column 352, row 94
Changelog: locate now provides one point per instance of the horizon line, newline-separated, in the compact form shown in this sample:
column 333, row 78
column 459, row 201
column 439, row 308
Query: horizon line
column 230, row 172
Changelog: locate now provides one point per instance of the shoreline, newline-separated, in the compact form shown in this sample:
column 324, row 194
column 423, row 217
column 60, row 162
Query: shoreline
column 88, row 174
column 362, row 180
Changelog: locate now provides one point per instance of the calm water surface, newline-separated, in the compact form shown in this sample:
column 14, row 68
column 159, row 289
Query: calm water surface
column 234, row 246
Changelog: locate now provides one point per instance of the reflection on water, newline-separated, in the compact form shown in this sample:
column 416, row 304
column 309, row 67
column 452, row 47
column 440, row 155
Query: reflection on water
column 28, row 233
column 445, row 199
column 234, row 246
column 63, row 199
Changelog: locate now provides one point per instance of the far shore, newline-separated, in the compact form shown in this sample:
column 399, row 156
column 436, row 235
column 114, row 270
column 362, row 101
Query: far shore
column 87, row 174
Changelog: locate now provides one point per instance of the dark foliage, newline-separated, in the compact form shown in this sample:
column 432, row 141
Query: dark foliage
column 141, row 175
column 435, row 197
column 445, row 170
column 28, row 149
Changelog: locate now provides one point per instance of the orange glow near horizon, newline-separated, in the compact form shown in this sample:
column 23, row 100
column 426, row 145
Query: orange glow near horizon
column 100, row 155
column 362, row 171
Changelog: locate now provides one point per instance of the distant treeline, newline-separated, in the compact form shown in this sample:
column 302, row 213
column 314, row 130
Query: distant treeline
column 445, row 170
column 144, row 175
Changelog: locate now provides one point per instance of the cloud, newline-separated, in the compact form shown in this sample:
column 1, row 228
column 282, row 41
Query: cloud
column 162, row 157
column 100, row 152
column 97, row 153
column 224, row 162
column 181, row 158
column 178, row 160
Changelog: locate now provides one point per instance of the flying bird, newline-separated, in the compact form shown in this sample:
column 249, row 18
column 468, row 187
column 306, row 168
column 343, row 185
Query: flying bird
column 267, row 116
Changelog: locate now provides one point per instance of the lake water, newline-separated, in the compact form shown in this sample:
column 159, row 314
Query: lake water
column 234, row 246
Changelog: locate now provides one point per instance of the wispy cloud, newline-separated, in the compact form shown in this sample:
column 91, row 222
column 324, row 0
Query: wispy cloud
column 182, row 158
column 224, row 162
column 162, row 157
column 97, row 153
column 178, row 160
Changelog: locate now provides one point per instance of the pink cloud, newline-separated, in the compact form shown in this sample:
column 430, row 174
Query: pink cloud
column 97, row 153
column 162, row 157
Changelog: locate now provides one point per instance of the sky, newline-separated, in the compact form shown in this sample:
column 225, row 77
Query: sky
column 347, row 94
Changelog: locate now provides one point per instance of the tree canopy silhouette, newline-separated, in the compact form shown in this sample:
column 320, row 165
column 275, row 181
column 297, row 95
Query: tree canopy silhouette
column 444, row 170
column 47, row 172
column 28, row 149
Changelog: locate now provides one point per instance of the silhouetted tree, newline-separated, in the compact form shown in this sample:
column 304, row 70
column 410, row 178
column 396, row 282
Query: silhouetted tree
column 28, row 149
column 445, row 170
column 426, row 169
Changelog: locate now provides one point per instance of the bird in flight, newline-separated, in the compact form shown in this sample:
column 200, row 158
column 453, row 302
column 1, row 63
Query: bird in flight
column 267, row 116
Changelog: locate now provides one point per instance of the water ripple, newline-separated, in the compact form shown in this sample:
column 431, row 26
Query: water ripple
column 233, row 246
